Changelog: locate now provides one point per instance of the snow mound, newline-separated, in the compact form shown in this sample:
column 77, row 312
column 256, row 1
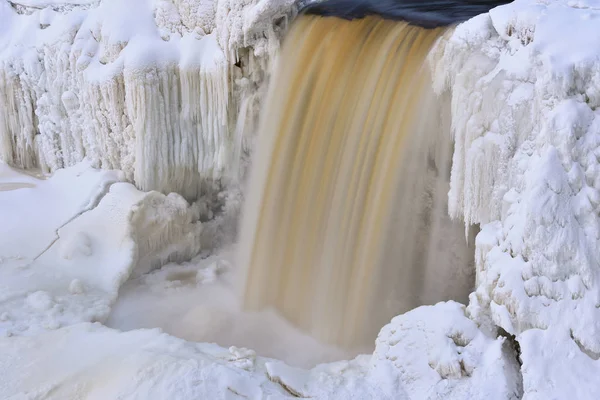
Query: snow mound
column 85, row 245
column 526, row 167
column 437, row 352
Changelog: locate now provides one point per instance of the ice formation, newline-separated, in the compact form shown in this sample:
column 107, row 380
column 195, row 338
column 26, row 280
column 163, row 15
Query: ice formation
column 249, row 32
column 527, row 131
column 150, row 88
column 524, row 84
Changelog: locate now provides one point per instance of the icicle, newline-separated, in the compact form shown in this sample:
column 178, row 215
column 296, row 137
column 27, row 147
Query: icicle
column 17, row 120
column 84, row 88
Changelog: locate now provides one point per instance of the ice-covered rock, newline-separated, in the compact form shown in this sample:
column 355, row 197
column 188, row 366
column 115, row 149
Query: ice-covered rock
column 152, row 88
column 524, row 88
column 437, row 352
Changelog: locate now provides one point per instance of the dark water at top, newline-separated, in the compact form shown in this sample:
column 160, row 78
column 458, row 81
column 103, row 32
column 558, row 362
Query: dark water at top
column 425, row 13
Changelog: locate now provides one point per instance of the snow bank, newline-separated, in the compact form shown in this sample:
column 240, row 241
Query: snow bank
column 525, row 82
column 94, row 362
column 90, row 234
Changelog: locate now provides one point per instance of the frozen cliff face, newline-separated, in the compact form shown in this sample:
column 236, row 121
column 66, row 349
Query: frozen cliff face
column 153, row 89
column 250, row 33
column 525, row 86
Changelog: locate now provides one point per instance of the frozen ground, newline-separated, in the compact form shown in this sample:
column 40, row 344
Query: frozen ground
column 61, row 277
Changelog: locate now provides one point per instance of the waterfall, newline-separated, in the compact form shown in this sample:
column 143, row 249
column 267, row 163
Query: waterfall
column 345, row 223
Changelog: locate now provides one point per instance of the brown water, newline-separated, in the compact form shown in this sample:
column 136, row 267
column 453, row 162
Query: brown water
column 345, row 220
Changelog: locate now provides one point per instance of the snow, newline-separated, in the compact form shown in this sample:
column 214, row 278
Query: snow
column 526, row 126
column 91, row 232
column 148, row 364
column 544, row 378
column 12, row 179
column 77, row 83
column 456, row 360
column 66, row 195
column 35, row 278
column 100, row 363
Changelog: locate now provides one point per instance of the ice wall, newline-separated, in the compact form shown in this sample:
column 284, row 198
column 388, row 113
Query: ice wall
column 250, row 33
column 153, row 88
column 525, row 89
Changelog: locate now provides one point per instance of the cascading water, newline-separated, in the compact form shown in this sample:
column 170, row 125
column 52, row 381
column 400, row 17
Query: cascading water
column 345, row 223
